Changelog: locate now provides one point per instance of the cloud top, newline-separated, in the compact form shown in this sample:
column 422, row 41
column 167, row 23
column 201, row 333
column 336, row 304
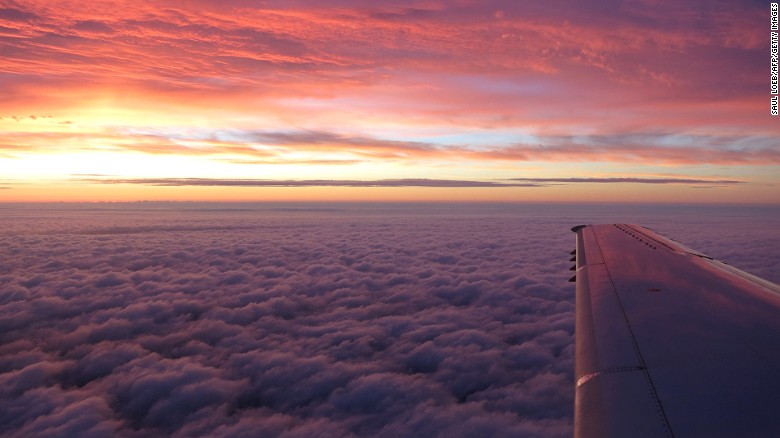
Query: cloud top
column 301, row 319
column 225, row 323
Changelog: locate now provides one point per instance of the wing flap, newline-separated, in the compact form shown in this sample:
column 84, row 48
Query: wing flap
column 606, row 341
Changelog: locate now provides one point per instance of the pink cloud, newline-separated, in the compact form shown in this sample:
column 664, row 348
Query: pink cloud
column 345, row 82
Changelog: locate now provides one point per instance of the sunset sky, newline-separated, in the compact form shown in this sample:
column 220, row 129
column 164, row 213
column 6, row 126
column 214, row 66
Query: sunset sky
column 643, row 100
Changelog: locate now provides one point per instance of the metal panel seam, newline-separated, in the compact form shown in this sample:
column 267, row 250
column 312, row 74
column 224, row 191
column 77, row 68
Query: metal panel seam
column 651, row 386
column 585, row 378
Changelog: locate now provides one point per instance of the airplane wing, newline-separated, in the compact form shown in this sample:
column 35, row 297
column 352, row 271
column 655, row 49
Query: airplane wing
column 670, row 342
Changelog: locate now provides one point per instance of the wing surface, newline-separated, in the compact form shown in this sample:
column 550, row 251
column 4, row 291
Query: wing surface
column 671, row 343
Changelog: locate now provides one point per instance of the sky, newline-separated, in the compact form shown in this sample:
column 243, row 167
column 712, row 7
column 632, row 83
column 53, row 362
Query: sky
column 635, row 101
column 309, row 319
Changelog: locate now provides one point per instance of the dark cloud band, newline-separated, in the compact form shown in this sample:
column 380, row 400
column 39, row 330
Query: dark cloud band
column 412, row 182
column 422, row 182
column 631, row 180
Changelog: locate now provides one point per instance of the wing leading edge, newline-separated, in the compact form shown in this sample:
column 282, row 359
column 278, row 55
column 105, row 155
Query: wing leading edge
column 671, row 343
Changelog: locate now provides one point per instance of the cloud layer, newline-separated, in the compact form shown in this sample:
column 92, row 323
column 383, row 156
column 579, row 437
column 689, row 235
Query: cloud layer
column 306, row 319
column 298, row 325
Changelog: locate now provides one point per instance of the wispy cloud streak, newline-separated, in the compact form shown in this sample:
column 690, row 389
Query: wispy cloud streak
column 280, row 147
column 309, row 183
column 630, row 180
column 514, row 182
